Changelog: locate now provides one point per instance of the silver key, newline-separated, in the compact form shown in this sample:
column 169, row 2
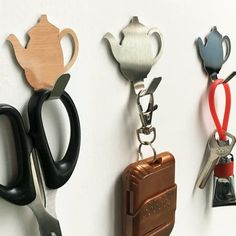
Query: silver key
column 215, row 150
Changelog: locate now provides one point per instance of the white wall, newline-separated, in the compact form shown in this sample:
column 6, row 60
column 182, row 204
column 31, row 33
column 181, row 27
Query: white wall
column 90, row 203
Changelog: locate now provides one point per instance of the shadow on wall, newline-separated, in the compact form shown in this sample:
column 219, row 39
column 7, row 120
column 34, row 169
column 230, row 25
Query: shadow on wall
column 204, row 126
column 22, row 217
column 118, row 207
column 128, row 119
column 29, row 223
column 203, row 111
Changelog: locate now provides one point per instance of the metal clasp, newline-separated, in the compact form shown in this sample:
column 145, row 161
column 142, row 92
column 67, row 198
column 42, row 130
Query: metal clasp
column 146, row 115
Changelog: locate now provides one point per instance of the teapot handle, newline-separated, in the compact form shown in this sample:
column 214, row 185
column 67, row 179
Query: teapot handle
column 158, row 35
column 228, row 47
column 74, row 55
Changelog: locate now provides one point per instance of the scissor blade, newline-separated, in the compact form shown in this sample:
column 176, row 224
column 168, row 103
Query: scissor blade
column 37, row 177
column 47, row 195
column 48, row 225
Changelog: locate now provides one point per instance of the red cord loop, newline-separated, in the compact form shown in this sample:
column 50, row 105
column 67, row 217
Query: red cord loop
column 221, row 129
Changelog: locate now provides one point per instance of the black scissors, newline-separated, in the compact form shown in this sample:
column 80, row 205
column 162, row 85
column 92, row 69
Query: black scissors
column 34, row 158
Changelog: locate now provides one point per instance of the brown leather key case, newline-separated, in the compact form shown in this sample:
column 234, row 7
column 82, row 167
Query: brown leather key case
column 149, row 197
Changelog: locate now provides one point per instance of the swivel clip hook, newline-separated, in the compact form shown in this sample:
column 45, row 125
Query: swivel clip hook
column 146, row 115
column 146, row 133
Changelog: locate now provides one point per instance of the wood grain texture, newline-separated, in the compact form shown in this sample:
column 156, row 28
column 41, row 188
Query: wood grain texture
column 42, row 59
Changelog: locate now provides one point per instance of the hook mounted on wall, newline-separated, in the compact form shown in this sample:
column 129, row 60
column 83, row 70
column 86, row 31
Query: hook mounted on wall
column 136, row 58
column 135, row 54
column 141, row 180
column 38, row 172
column 212, row 53
column 42, row 59
column 218, row 157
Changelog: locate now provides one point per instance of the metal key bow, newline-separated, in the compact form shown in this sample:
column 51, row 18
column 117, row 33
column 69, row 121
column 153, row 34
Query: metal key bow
column 215, row 150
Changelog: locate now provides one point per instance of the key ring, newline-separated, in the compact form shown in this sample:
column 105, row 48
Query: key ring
column 221, row 129
column 140, row 154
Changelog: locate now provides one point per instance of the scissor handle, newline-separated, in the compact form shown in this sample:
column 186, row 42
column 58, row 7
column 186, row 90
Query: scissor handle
column 56, row 173
column 21, row 192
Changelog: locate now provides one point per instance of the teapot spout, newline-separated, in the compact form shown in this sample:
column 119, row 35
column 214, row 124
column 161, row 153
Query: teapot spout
column 19, row 50
column 115, row 46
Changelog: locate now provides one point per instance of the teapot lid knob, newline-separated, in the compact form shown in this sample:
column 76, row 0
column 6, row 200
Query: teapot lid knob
column 135, row 19
column 43, row 18
column 214, row 28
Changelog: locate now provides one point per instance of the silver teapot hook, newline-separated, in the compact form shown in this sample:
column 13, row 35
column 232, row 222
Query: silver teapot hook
column 135, row 53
